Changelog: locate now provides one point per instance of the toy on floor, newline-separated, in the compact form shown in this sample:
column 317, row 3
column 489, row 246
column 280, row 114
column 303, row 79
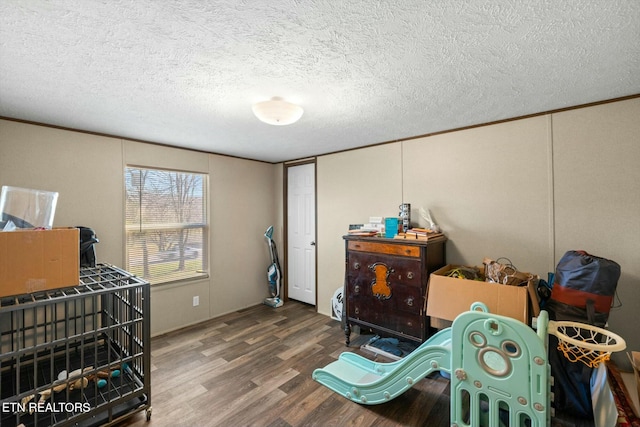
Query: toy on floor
column 499, row 370
column 101, row 375
column 76, row 380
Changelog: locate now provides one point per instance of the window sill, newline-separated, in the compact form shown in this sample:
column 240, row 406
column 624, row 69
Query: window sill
column 181, row 281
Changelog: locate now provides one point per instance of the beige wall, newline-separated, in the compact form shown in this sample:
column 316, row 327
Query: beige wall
column 528, row 190
column 87, row 171
column 351, row 187
column 243, row 206
column 488, row 189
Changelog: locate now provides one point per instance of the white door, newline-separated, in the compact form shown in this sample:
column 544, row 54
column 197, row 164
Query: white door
column 301, row 233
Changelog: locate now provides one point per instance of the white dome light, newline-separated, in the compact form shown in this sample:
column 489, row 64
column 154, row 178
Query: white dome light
column 277, row 111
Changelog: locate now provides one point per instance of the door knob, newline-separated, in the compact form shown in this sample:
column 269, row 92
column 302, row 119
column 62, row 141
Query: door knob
column 313, row 243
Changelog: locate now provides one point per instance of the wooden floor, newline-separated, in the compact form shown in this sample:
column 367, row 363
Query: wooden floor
column 253, row 368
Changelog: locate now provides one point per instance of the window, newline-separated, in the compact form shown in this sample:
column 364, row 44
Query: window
column 166, row 224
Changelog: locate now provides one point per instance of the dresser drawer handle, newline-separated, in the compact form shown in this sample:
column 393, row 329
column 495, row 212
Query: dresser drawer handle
column 356, row 289
column 356, row 265
column 410, row 302
column 356, row 310
column 409, row 275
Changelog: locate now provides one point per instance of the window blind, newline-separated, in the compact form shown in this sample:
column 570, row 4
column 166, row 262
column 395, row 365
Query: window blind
column 166, row 224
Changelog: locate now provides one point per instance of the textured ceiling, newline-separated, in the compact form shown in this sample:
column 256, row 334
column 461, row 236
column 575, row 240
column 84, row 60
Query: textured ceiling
column 186, row 72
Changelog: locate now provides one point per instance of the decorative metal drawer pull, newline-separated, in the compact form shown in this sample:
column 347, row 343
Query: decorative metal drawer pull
column 380, row 286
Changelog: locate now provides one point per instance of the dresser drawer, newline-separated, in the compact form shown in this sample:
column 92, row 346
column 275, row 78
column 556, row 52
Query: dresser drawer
column 406, row 298
column 383, row 314
column 407, row 271
column 384, row 248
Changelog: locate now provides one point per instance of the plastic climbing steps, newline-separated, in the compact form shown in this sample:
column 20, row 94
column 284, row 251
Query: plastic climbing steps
column 365, row 381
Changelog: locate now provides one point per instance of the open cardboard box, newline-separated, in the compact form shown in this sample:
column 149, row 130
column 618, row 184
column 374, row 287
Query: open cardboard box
column 38, row 260
column 448, row 297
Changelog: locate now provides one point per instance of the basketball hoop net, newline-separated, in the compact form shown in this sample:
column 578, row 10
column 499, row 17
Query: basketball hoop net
column 581, row 342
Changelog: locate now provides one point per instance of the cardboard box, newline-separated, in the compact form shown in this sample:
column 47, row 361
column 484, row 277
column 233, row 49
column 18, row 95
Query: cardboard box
column 438, row 323
column 37, row 260
column 449, row 296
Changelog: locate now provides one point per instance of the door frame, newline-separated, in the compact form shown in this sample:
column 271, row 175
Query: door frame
column 285, row 237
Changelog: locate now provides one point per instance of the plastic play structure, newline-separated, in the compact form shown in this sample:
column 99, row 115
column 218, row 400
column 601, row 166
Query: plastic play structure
column 499, row 368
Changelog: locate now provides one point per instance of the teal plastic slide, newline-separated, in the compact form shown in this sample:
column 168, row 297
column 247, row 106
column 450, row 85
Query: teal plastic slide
column 498, row 366
column 365, row 381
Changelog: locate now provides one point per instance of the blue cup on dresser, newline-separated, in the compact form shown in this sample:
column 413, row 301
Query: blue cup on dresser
column 390, row 227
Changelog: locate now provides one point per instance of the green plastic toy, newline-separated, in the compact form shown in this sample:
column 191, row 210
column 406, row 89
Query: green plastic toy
column 500, row 375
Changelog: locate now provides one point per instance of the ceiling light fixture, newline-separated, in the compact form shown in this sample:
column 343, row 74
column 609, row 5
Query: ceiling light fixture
column 277, row 111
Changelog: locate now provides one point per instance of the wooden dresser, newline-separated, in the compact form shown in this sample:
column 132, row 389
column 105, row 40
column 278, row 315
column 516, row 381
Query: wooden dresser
column 385, row 286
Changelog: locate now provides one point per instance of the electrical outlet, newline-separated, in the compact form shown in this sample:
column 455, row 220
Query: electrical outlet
column 196, row 301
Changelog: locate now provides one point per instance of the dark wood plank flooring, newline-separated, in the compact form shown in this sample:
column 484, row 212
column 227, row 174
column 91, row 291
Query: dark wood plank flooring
column 253, row 368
